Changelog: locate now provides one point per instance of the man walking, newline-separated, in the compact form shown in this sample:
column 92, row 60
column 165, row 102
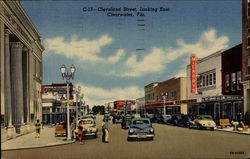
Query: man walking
column 105, row 135
column 38, row 128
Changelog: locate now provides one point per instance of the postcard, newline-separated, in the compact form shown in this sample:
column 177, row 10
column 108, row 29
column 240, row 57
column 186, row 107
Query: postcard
column 127, row 79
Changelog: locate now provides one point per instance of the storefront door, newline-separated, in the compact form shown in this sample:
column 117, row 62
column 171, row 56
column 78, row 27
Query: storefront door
column 216, row 111
column 237, row 111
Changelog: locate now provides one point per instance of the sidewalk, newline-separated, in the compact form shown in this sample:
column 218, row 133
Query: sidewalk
column 47, row 138
column 232, row 131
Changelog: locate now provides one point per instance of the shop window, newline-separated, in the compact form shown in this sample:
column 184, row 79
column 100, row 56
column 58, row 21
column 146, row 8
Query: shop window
column 227, row 111
column 199, row 82
column 238, row 80
column 210, row 79
column 233, row 81
column 214, row 78
column 227, row 84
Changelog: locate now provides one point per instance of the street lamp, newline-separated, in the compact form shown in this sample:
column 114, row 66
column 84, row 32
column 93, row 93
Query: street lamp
column 164, row 95
column 66, row 75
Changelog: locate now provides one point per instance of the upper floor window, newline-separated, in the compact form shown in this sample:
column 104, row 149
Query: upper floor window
column 248, row 65
column 248, row 8
column 214, row 78
column 227, row 84
column 206, row 79
column 238, row 80
column 233, row 81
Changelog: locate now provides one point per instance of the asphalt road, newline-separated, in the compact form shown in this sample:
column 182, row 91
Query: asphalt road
column 170, row 142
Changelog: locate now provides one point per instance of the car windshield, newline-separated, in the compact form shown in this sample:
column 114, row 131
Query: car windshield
column 141, row 122
column 87, row 121
column 205, row 118
column 166, row 116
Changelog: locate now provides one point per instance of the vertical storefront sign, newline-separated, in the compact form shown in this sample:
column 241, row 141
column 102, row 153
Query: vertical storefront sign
column 193, row 74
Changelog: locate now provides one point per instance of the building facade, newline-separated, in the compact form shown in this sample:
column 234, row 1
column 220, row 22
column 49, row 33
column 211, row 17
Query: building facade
column 208, row 70
column 54, row 111
column 219, row 91
column 246, row 57
column 21, row 71
column 175, row 90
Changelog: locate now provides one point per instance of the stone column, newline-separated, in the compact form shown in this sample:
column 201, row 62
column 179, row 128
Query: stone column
column 26, row 98
column 17, row 85
column 7, row 88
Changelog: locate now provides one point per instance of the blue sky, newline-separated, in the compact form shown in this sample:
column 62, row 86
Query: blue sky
column 104, row 49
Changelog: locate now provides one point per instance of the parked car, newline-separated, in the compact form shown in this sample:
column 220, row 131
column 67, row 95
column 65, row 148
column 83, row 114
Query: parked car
column 165, row 119
column 175, row 119
column 157, row 118
column 126, row 121
column 203, row 121
column 150, row 116
column 184, row 121
column 90, row 127
column 141, row 128
column 117, row 119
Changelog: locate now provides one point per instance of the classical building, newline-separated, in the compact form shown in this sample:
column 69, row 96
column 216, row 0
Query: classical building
column 246, row 57
column 21, row 71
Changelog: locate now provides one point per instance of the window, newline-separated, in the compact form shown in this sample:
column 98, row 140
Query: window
column 199, row 83
column 203, row 81
column 238, row 80
column 227, row 84
column 174, row 94
column 214, row 78
column 206, row 80
column 233, row 81
column 210, row 79
column 248, row 8
column 248, row 65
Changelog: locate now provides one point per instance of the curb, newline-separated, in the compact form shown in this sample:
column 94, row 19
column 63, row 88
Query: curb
column 232, row 132
column 38, row 146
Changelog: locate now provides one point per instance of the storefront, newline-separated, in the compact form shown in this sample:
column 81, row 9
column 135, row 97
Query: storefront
column 230, row 107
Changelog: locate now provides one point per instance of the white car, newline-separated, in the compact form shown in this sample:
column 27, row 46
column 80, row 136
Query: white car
column 89, row 127
column 203, row 121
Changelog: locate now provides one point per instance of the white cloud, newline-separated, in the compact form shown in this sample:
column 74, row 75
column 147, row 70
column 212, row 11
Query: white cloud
column 208, row 43
column 82, row 49
column 153, row 62
column 94, row 95
column 157, row 59
column 117, row 56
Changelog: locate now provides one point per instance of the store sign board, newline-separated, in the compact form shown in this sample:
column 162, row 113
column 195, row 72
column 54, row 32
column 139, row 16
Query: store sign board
column 193, row 74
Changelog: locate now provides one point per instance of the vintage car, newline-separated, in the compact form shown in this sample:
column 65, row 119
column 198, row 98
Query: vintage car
column 203, row 121
column 126, row 121
column 90, row 128
column 141, row 128
column 117, row 119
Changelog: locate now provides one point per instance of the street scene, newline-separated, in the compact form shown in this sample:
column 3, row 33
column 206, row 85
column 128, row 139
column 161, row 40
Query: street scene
column 125, row 79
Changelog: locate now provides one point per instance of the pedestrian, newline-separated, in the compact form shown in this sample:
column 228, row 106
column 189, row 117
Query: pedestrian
column 80, row 132
column 38, row 128
column 105, row 132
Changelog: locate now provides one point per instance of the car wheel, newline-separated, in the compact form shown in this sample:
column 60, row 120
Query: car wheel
column 199, row 126
column 129, row 139
column 96, row 136
column 151, row 138
column 189, row 126
column 212, row 128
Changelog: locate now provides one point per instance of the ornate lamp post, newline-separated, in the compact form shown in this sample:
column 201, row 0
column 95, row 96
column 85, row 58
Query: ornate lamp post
column 164, row 95
column 67, row 75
